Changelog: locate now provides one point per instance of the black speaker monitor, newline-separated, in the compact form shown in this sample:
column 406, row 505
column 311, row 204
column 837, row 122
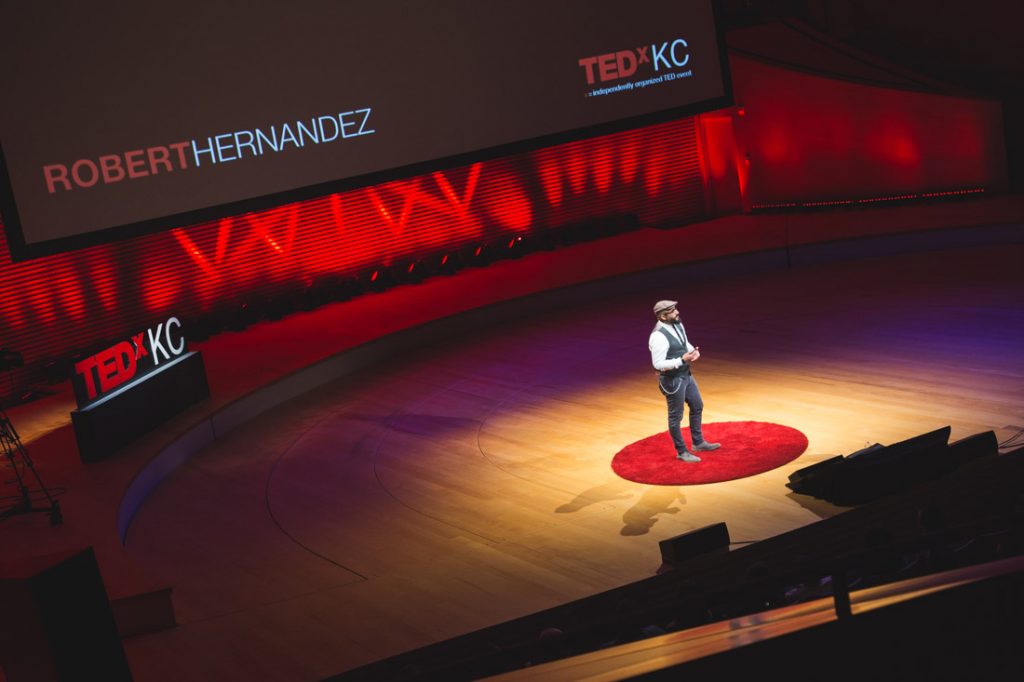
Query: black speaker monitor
column 931, row 441
column 974, row 447
column 815, row 479
column 688, row 545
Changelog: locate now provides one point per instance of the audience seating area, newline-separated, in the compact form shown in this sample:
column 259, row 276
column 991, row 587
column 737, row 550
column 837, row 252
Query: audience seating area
column 971, row 516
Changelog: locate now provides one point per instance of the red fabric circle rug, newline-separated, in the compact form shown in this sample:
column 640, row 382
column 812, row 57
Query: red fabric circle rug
column 748, row 448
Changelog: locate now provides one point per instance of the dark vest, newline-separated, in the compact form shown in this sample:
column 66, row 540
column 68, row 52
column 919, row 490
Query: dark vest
column 676, row 349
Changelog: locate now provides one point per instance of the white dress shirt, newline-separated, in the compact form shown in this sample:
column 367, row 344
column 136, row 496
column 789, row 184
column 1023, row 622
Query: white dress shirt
column 658, row 345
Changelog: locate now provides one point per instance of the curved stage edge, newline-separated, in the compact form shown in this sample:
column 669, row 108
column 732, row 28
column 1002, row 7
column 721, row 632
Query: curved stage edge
column 545, row 281
column 253, row 371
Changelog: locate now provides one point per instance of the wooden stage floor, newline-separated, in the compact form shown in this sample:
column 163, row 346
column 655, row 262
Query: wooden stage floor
column 457, row 486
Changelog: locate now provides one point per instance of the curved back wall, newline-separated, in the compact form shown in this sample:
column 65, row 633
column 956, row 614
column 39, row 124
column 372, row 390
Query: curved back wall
column 794, row 137
column 807, row 137
column 61, row 304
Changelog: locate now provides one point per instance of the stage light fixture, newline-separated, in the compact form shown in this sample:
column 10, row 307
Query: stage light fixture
column 448, row 263
column 380, row 278
column 414, row 271
column 488, row 252
column 518, row 246
column 471, row 255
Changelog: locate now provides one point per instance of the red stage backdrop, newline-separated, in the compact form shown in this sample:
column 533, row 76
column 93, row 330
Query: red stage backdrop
column 54, row 305
column 793, row 137
column 818, row 121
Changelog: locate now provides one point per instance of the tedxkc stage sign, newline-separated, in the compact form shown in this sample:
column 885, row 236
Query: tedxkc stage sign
column 127, row 362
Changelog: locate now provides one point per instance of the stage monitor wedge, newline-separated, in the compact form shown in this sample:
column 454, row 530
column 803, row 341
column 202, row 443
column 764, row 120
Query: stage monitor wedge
column 815, row 479
column 680, row 548
column 876, row 471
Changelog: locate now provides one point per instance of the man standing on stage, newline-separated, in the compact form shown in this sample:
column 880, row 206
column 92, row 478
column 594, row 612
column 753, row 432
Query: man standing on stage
column 672, row 354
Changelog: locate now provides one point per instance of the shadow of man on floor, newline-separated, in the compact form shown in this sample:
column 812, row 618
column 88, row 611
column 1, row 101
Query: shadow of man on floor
column 656, row 500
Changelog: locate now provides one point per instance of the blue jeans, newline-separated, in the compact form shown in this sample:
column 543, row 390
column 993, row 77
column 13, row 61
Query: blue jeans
column 678, row 390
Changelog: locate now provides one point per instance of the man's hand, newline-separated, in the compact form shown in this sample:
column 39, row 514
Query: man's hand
column 693, row 355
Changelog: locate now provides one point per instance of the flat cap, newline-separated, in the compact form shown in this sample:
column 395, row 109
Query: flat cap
column 664, row 306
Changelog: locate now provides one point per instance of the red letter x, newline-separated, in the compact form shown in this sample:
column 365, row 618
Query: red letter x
column 140, row 350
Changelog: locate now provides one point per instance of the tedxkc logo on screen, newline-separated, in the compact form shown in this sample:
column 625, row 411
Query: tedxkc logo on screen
column 625, row 63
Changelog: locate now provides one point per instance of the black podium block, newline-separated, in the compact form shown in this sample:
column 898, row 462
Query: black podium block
column 117, row 419
column 680, row 548
column 57, row 622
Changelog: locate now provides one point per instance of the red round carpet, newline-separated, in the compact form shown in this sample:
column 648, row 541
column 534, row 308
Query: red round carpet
column 748, row 448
